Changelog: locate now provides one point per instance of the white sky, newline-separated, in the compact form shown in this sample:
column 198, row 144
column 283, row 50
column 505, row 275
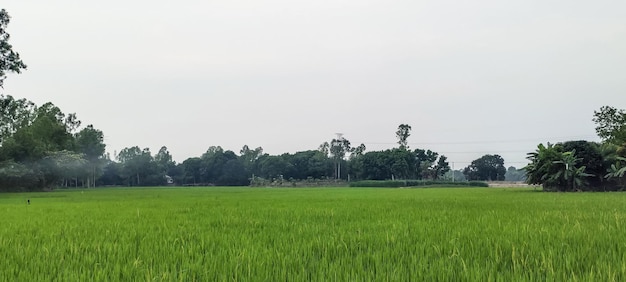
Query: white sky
column 470, row 77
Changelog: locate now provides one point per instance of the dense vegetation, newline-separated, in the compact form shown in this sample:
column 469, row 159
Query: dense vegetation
column 583, row 165
column 417, row 183
column 344, row 234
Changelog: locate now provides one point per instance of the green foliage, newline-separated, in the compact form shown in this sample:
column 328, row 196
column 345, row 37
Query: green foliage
column 90, row 142
column 569, row 173
column 617, row 172
column 611, row 124
column 139, row 167
column 9, row 59
column 401, row 164
column 486, row 168
column 14, row 114
column 18, row 177
column 415, row 183
column 571, row 166
column 403, row 133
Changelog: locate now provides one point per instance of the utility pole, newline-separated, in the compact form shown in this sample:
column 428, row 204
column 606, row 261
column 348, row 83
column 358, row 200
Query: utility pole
column 453, row 172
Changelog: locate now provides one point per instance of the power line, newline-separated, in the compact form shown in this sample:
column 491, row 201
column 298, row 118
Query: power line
column 487, row 141
column 483, row 152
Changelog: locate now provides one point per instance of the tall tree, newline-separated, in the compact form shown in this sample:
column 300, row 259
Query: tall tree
column 47, row 133
column 403, row 133
column 324, row 148
column 9, row 60
column 338, row 149
column 358, row 151
column 611, row 125
column 441, row 168
column 192, row 171
column 163, row 160
column 249, row 157
column 138, row 167
column 487, row 167
column 15, row 114
column 424, row 161
column 90, row 142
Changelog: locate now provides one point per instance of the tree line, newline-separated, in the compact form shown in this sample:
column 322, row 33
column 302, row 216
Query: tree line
column 41, row 148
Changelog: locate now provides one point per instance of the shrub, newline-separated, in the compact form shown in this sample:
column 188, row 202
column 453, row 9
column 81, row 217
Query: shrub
column 416, row 183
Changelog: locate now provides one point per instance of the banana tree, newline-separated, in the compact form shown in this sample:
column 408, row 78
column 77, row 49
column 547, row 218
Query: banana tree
column 542, row 167
column 617, row 171
column 568, row 173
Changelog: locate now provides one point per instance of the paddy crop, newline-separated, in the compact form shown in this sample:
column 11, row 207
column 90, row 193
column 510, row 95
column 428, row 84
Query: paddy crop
column 340, row 234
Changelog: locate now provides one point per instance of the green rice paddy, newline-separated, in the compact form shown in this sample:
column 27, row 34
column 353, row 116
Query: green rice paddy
column 317, row 234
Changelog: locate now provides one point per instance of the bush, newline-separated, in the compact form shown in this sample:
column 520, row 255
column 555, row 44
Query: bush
column 416, row 183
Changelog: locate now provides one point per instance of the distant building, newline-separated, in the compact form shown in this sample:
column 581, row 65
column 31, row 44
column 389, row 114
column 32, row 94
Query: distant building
column 169, row 180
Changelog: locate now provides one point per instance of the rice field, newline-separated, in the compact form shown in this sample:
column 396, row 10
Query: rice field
column 317, row 234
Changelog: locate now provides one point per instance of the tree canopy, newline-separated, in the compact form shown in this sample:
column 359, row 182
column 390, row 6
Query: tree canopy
column 10, row 60
column 486, row 168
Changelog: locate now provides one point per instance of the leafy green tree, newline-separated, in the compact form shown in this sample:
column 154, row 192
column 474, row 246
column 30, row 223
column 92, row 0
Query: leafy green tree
column 47, row 133
column 486, row 168
column 403, row 133
column 64, row 167
column 611, row 125
column 39, row 138
column 249, row 157
column 233, row 174
column 14, row 114
column 90, row 142
column 355, row 165
column 212, row 161
column 441, row 168
column 376, row 165
column 16, row 176
column 192, row 171
column 400, row 161
column 338, row 150
column 164, row 161
column 112, row 174
column 324, row 148
column 424, row 163
column 306, row 164
column 9, row 60
column 139, row 168
column 358, row 151
column 271, row 167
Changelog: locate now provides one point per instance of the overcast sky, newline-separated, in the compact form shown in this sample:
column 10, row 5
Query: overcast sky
column 470, row 77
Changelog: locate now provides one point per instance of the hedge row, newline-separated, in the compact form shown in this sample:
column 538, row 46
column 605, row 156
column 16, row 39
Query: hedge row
column 416, row 183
